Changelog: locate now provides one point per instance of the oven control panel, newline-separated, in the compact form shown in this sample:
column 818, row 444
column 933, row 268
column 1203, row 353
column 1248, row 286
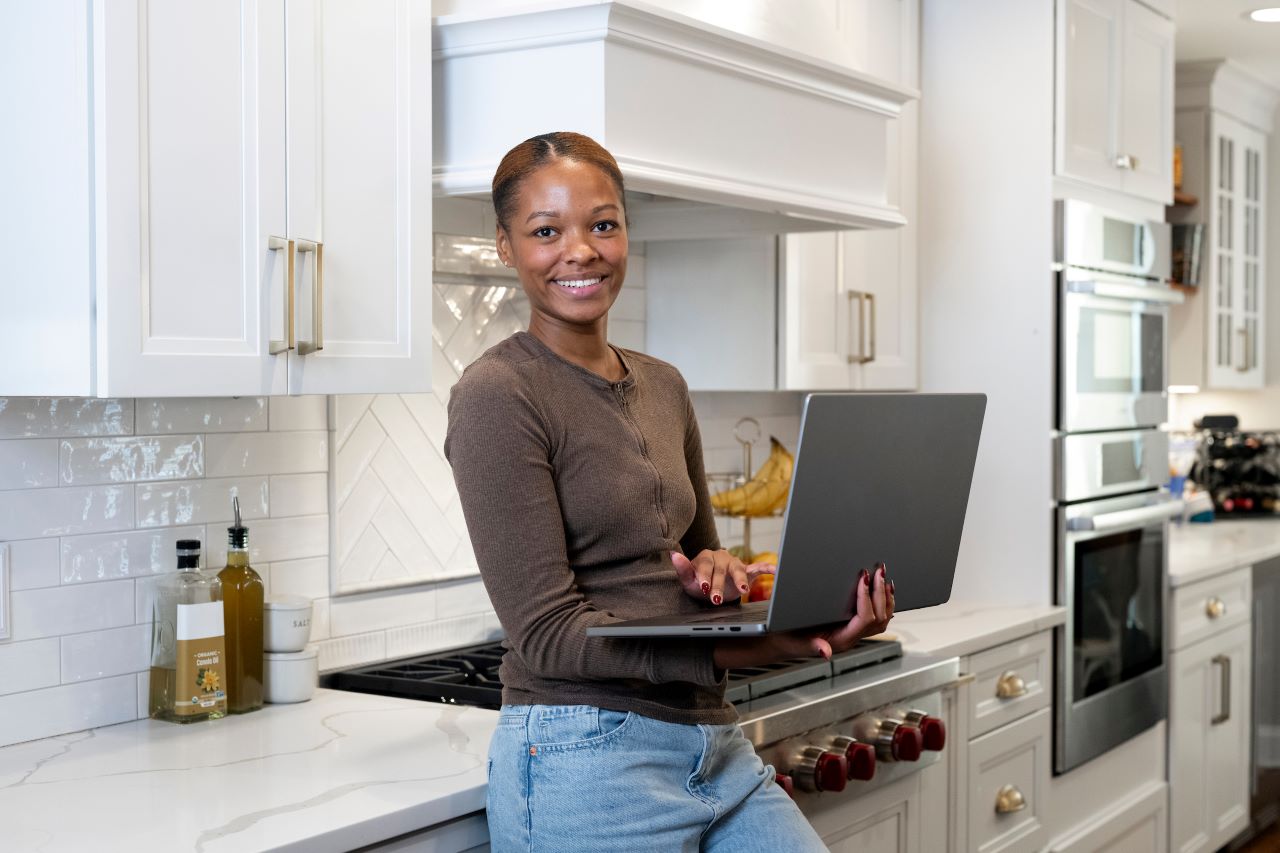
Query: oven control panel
column 861, row 753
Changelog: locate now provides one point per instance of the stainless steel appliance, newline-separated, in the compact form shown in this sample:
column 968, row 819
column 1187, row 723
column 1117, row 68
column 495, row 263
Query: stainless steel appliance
column 860, row 721
column 1111, row 460
column 1113, row 318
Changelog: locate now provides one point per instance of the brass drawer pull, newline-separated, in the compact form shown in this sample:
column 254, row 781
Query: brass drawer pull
column 1215, row 608
column 1010, row 686
column 1009, row 800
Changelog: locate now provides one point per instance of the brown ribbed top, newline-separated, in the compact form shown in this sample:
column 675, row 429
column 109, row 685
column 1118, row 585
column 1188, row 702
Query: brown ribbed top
column 575, row 491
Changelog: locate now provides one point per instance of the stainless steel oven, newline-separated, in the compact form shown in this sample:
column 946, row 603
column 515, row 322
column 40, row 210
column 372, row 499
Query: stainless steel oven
column 1101, row 464
column 1113, row 319
column 1112, row 680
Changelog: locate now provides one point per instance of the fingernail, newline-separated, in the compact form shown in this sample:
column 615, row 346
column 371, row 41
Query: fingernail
column 885, row 567
column 715, row 599
column 743, row 587
column 891, row 588
column 706, row 587
column 865, row 577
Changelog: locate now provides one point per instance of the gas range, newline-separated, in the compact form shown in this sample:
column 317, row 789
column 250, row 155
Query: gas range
column 864, row 719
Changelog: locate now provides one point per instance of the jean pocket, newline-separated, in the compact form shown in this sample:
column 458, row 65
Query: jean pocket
column 559, row 728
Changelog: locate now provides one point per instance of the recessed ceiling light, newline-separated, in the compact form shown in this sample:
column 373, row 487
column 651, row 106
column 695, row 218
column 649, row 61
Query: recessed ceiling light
column 1270, row 15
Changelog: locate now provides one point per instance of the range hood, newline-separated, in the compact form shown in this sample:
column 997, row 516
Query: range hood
column 717, row 134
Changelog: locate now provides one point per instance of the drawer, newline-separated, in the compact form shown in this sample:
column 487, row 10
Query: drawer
column 1010, row 681
column 1206, row 607
column 1009, row 771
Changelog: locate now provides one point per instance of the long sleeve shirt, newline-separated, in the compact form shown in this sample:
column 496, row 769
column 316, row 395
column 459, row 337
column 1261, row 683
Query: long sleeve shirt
column 575, row 492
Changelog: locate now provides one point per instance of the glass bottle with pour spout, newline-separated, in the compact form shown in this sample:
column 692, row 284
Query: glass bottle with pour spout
column 242, row 593
column 188, row 679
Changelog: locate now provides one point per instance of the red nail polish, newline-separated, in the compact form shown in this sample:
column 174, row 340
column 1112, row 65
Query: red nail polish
column 891, row 588
column 706, row 587
column 715, row 599
column 744, row 587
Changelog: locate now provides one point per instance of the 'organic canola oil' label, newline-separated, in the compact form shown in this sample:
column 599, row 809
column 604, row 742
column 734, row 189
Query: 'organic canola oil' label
column 201, row 680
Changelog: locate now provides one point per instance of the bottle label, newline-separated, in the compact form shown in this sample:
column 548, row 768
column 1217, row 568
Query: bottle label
column 201, row 678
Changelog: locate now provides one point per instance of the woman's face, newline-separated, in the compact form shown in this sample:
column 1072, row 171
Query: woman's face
column 568, row 241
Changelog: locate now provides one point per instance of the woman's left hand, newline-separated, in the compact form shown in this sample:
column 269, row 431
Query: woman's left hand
column 717, row 576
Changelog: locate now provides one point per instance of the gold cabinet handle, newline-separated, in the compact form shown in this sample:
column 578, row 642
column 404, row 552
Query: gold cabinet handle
column 866, row 333
column 1214, row 608
column 1010, row 686
column 1009, row 800
column 280, row 244
column 317, row 297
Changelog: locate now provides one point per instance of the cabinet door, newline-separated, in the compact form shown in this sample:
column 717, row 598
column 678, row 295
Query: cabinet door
column 1209, row 741
column 190, row 183
column 816, row 314
column 359, row 96
column 1146, row 104
column 1089, row 44
column 886, row 820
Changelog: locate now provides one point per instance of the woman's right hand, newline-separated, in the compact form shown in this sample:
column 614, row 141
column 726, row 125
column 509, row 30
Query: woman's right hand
column 874, row 609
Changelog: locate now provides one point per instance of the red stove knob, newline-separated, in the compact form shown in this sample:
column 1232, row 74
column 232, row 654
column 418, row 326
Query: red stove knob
column 861, row 757
column 821, row 770
column 934, row 732
column 785, row 783
column 907, row 743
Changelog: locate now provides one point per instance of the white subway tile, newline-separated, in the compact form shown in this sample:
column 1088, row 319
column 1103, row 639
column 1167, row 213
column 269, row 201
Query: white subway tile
column 272, row 539
column 356, row 512
column 68, row 708
column 41, row 613
column 346, row 411
column 33, row 563
column 86, row 559
column 28, row 666
column 102, row 654
column 421, row 505
column 299, row 494
column 320, row 619
column 233, row 455
column 461, row 597
column 493, row 628
column 627, row 334
column 37, row 513
column 90, row 461
column 201, row 414
column 436, row 636
column 356, row 455
column 410, row 445
column 29, row 463
column 201, row 501
column 431, row 416
column 299, row 413
column 144, row 694
column 357, row 614
column 56, row 417
column 406, row 544
column 301, row 577
column 363, row 559
column 351, row 651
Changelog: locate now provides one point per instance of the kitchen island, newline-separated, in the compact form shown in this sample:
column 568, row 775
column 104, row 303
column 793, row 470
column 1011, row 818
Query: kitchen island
column 341, row 771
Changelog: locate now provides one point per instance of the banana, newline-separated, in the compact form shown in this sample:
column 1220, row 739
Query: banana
column 764, row 493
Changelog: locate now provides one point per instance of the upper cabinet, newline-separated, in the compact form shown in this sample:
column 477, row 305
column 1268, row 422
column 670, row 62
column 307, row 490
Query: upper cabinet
column 254, row 184
column 1114, row 97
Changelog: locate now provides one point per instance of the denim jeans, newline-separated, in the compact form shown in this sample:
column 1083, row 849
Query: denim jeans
column 579, row 779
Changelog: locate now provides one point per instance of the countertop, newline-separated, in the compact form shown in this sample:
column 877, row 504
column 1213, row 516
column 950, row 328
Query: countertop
column 1199, row 551
column 338, row 772
column 964, row 627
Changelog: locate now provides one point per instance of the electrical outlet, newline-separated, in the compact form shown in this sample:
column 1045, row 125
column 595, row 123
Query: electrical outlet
column 4, row 591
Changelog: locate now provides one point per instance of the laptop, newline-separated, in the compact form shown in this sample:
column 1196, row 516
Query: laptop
column 877, row 478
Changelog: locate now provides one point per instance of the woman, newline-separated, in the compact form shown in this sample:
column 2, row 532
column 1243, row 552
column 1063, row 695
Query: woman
column 579, row 467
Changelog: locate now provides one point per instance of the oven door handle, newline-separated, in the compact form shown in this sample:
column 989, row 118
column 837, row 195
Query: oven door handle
column 1139, row 292
column 1137, row 517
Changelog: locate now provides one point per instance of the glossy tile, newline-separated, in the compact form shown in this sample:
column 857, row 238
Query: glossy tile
column 140, row 553
column 201, row 501
column 272, row 539
column 320, row 619
column 231, row 455
column 346, row 410
column 62, row 610
column 301, row 577
column 201, row 414
column 299, row 494
column 342, row 652
column 364, row 557
column 30, row 463
column 405, row 542
column 461, row 597
column 358, row 614
column 56, row 417
column 299, row 413
column 427, row 637
column 33, row 564
column 28, row 666
column 102, row 654
column 91, row 461
column 356, row 513
column 37, row 513
column 68, row 708
column 415, row 502
column 356, row 455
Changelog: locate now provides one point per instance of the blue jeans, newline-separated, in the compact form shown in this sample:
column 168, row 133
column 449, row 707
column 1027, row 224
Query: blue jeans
column 570, row 778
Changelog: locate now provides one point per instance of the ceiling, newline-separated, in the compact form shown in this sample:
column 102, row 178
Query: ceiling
column 1216, row 29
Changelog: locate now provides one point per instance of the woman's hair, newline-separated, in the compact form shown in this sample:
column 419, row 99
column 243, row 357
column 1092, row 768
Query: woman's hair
column 523, row 160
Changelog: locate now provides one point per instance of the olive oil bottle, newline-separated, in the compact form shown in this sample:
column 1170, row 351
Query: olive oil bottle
column 242, row 607
column 188, row 682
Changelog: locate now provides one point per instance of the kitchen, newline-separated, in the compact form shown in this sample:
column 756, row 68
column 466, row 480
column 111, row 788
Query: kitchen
column 138, row 395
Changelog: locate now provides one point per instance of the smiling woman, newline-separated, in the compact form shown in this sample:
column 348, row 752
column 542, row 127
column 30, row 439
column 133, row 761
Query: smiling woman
column 579, row 469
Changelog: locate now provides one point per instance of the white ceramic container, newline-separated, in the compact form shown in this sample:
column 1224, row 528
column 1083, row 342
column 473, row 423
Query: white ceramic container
column 290, row 676
column 286, row 623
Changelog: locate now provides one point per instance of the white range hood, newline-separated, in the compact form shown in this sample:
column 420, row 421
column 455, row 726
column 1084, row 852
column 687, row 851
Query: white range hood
column 717, row 134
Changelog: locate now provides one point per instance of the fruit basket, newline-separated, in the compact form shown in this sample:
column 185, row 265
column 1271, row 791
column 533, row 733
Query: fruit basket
column 745, row 495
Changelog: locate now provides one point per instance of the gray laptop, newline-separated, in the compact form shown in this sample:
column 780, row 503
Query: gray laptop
column 878, row 478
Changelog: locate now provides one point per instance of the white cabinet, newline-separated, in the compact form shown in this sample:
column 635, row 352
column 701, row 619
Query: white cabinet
column 218, row 140
column 1209, row 724
column 1114, row 97
column 1218, row 335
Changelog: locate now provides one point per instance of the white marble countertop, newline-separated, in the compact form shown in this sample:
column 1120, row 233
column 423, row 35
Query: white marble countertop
column 965, row 627
column 341, row 771
column 1199, row 551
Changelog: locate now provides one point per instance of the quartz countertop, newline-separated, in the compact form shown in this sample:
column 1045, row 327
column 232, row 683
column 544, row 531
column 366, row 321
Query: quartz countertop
column 964, row 627
column 335, row 773
column 1199, row 551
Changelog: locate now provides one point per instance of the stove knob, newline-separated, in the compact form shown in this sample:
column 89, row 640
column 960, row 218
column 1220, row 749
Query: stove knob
column 861, row 757
column 785, row 783
column 821, row 770
column 932, row 728
column 906, row 743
